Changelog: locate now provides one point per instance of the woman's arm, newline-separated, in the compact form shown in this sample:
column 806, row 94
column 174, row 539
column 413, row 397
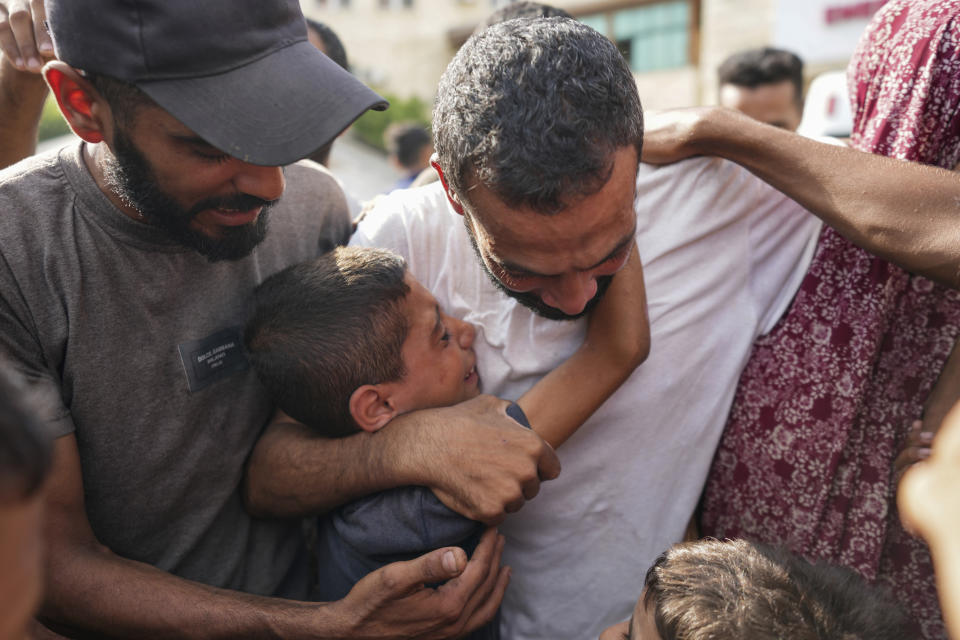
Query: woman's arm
column 617, row 341
column 901, row 211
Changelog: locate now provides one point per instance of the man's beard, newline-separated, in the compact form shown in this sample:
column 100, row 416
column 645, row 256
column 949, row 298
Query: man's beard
column 531, row 300
column 130, row 177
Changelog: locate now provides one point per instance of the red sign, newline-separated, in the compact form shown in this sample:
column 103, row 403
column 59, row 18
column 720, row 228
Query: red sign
column 856, row 11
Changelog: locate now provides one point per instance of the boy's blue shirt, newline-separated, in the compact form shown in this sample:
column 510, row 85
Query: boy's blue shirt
column 389, row 526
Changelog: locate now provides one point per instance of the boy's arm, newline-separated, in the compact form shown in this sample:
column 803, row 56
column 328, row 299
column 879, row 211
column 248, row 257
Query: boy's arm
column 477, row 460
column 401, row 521
column 901, row 211
column 617, row 341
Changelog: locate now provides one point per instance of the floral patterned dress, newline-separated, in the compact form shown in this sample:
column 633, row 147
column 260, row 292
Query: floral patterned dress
column 827, row 399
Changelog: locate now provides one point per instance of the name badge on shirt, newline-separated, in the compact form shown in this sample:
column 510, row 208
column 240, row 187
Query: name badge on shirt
column 213, row 358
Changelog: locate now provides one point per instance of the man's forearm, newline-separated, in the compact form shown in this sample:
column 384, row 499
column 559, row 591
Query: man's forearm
column 478, row 461
column 93, row 593
column 22, row 95
column 904, row 212
column 293, row 472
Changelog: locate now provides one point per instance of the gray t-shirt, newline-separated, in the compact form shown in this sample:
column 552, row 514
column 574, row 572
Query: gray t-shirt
column 133, row 343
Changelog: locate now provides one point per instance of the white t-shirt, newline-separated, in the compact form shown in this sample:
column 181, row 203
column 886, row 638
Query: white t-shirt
column 723, row 255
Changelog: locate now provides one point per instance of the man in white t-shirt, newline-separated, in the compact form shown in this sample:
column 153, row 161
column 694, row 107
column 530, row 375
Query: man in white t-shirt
column 538, row 129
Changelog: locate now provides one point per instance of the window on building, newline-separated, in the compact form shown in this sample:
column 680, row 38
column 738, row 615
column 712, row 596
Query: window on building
column 651, row 36
column 396, row 4
column 333, row 4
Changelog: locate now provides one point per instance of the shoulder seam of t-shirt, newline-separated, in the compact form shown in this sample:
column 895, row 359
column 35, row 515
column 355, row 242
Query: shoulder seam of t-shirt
column 112, row 221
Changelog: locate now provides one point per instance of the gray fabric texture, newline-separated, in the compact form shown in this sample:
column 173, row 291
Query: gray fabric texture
column 398, row 524
column 93, row 308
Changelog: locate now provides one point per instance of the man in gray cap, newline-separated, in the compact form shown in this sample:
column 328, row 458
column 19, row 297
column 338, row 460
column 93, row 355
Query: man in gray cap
column 125, row 265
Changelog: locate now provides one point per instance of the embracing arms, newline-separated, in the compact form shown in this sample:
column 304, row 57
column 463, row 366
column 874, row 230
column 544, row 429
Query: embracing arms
column 476, row 459
column 92, row 592
column 617, row 341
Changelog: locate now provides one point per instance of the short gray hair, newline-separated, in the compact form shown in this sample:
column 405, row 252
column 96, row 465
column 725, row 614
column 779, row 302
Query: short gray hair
column 534, row 110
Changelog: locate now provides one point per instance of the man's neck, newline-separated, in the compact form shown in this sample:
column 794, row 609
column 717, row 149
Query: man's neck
column 94, row 157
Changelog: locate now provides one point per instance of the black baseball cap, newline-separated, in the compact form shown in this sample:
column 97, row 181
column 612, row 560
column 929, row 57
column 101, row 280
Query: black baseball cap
column 239, row 73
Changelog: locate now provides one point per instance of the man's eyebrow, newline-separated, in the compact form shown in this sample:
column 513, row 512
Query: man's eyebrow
column 193, row 139
column 621, row 246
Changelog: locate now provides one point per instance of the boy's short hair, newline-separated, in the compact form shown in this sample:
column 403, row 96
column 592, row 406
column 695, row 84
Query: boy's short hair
column 24, row 444
column 740, row 590
column 323, row 328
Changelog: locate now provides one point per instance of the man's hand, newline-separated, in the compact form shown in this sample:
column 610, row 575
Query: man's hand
column 24, row 39
column 930, row 507
column 915, row 449
column 394, row 602
column 477, row 460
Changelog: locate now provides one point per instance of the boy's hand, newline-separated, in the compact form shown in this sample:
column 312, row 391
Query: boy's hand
column 479, row 461
column 393, row 602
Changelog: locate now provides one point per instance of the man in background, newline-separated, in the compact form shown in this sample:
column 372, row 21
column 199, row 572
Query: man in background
column 766, row 84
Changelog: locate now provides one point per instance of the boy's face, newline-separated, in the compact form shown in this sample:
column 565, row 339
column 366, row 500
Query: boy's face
column 438, row 355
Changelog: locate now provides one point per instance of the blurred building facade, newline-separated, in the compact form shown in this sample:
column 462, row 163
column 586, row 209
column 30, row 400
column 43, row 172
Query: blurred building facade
column 673, row 46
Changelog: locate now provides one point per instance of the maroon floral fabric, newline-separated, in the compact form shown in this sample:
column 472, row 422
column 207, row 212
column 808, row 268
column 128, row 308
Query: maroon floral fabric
column 826, row 401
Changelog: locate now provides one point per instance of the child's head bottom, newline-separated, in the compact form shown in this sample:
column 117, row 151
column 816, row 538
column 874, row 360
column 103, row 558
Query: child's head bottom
column 739, row 590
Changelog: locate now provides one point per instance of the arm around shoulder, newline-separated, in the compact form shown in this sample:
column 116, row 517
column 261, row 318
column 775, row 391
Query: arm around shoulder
column 902, row 211
column 477, row 460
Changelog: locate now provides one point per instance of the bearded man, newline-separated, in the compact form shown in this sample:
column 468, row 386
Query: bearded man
column 126, row 261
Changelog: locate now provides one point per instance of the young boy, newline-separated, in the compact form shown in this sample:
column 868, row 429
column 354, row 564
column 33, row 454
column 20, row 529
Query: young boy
column 739, row 590
column 350, row 340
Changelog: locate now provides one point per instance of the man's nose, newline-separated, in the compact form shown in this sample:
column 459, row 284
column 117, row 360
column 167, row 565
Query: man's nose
column 571, row 293
column 266, row 183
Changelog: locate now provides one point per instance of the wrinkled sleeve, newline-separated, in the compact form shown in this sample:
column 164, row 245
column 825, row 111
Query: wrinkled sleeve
column 406, row 520
column 21, row 350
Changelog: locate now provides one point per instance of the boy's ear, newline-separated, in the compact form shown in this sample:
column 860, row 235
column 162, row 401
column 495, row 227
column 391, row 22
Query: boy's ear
column 451, row 196
column 81, row 105
column 371, row 408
